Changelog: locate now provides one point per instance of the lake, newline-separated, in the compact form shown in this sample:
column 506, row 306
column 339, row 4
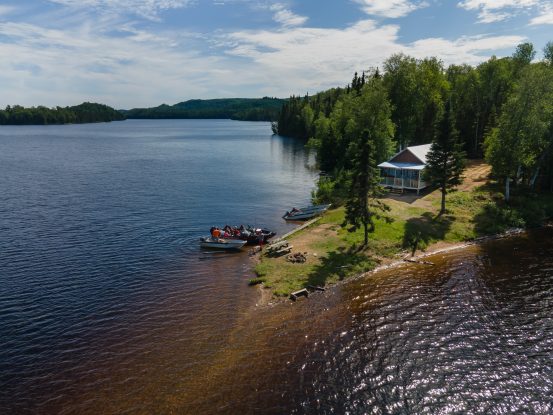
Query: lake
column 99, row 233
column 107, row 304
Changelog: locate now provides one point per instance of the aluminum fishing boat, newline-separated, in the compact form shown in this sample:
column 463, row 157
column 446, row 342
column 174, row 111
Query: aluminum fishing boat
column 219, row 243
column 305, row 213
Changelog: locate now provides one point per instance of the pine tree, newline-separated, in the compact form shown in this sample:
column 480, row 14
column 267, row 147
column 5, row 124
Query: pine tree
column 446, row 158
column 355, row 82
column 362, row 205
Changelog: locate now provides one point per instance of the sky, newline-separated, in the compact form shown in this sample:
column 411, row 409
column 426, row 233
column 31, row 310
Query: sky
column 141, row 53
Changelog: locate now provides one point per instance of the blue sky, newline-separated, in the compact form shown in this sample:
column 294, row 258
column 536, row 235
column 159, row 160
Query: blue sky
column 131, row 53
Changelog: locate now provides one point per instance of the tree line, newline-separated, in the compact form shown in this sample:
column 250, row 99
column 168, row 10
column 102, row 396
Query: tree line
column 84, row 113
column 501, row 109
column 244, row 109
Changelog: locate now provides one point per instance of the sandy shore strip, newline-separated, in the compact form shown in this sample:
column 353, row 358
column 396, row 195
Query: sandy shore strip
column 267, row 299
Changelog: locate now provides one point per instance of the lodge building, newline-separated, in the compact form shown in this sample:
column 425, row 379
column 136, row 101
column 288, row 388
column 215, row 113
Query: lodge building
column 405, row 169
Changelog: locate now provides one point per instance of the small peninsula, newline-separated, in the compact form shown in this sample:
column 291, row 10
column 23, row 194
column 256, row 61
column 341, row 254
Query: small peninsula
column 87, row 112
column 412, row 225
column 479, row 162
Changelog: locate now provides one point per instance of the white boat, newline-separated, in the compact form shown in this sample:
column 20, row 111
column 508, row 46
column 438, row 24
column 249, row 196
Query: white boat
column 220, row 243
column 314, row 207
column 305, row 213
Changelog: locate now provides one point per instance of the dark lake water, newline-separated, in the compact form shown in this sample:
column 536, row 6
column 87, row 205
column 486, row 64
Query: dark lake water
column 100, row 268
column 107, row 305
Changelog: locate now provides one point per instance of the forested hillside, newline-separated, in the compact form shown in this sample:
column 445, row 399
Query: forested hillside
column 84, row 113
column 501, row 109
column 247, row 109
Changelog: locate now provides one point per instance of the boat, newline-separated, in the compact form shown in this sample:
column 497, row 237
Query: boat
column 252, row 235
column 305, row 213
column 220, row 243
column 315, row 207
column 256, row 236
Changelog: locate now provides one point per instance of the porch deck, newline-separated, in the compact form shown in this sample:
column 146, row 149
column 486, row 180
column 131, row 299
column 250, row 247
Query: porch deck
column 402, row 178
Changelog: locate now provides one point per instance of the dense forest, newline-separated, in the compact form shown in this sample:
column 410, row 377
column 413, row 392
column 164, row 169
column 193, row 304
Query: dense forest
column 84, row 113
column 245, row 109
column 501, row 109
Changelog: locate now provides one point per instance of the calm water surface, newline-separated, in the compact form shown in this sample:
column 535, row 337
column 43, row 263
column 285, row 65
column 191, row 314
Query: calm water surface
column 108, row 306
column 103, row 287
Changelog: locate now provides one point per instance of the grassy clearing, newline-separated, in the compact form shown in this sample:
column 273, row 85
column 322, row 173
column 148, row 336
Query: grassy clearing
column 334, row 253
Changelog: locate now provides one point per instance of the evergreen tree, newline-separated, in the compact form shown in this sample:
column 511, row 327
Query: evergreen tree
column 446, row 159
column 548, row 53
column 362, row 205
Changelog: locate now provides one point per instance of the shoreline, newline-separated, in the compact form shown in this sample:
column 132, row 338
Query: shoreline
column 266, row 298
column 410, row 231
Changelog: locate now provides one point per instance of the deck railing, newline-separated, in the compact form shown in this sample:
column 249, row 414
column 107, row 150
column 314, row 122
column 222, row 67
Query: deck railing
column 402, row 183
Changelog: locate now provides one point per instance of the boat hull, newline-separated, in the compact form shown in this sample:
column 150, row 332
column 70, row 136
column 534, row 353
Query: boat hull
column 303, row 216
column 306, row 213
column 314, row 208
column 227, row 244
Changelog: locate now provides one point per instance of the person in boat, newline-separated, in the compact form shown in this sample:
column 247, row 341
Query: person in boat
column 216, row 233
column 294, row 211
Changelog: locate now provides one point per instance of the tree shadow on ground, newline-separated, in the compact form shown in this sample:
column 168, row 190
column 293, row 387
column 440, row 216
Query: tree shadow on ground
column 419, row 232
column 341, row 263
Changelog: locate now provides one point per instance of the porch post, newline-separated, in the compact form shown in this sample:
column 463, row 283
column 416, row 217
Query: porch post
column 418, row 181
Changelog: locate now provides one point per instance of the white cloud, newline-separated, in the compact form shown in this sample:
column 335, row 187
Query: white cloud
column 109, row 59
column 313, row 59
column 54, row 67
column 390, row 8
column 490, row 11
column 285, row 16
column 464, row 49
column 4, row 10
column 546, row 16
column 146, row 8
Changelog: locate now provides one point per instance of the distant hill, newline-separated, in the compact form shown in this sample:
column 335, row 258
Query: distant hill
column 86, row 112
column 246, row 109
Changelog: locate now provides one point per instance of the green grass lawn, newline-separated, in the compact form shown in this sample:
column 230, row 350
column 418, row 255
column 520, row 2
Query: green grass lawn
column 339, row 253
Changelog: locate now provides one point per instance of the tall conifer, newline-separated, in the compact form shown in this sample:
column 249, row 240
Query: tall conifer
column 446, row 158
column 362, row 205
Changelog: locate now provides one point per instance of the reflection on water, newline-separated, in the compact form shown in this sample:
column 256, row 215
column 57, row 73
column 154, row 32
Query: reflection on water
column 471, row 335
column 108, row 306
column 293, row 153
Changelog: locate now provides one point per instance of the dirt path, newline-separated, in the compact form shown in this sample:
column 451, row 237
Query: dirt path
column 305, row 241
column 476, row 174
column 325, row 248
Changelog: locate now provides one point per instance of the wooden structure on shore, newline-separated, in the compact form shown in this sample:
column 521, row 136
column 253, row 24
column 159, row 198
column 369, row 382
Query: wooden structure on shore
column 405, row 169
